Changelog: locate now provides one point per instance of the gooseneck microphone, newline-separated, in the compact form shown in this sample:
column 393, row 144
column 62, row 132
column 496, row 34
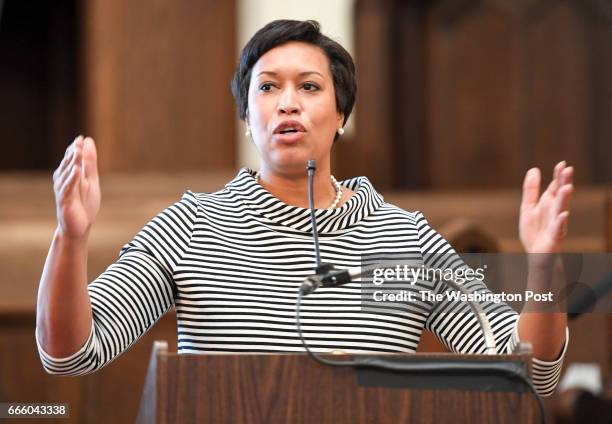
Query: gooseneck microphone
column 327, row 276
column 311, row 168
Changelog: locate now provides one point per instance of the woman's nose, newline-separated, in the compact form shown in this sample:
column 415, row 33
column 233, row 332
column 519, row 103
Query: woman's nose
column 288, row 102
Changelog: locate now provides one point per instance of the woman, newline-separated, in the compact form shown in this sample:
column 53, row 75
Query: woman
column 231, row 261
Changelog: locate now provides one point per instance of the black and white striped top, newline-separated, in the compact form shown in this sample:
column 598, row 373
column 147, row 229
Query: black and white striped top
column 231, row 263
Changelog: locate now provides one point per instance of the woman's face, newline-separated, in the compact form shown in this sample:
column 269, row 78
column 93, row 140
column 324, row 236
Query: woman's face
column 292, row 108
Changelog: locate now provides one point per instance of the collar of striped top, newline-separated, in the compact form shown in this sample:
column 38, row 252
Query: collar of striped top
column 361, row 204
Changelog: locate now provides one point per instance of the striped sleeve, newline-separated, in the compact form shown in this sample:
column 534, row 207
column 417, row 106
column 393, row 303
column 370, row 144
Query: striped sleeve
column 132, row 293
column 457, row 327
column 545, row 374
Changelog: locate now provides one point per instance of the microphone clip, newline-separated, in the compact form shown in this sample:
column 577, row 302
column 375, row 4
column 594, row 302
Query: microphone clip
column 326, row 275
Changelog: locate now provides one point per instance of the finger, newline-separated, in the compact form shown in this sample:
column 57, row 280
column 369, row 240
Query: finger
column 75, row 155
column 531, row 189
column 66, row 159
column 90, row 158
column 61, row 177
column 562, row 200
column 556, row 183
column 63, row 165
column 67, row 190
column 567, row 175
column 74, row 144
column 562, row 225
column 558, row 168
column 76, row 160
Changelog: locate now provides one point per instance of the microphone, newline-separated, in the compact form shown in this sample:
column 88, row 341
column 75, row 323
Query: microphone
column 332, row 277
column 325, row 274
column 328, row 276
column 311, row 168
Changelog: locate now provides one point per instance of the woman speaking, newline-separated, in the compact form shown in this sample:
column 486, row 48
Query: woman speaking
column 231, row 261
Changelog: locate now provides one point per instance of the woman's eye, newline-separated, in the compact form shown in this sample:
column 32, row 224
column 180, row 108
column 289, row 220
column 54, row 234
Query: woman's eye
column 266, row 87
column 310, row 87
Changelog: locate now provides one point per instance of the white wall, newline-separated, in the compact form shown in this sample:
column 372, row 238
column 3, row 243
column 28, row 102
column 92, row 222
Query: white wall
column 335, row 17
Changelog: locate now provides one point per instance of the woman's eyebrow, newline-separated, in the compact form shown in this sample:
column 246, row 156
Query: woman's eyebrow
column 273, row 73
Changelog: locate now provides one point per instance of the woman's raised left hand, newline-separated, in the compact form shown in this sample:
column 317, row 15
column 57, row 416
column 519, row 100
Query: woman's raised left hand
column 543, row 219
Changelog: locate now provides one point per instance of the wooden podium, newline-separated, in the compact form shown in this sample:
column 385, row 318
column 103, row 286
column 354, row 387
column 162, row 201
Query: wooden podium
column 293, row 388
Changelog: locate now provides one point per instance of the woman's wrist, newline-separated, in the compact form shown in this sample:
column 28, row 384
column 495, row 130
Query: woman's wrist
column 70, row 242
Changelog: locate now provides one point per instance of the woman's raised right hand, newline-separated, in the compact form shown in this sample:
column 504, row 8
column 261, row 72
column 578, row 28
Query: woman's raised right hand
column 77, row 189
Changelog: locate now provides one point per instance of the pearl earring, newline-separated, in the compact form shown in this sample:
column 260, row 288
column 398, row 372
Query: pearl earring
column 247, row 133
column 340, row 131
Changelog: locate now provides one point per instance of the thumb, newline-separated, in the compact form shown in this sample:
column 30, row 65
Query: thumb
column 90, row 159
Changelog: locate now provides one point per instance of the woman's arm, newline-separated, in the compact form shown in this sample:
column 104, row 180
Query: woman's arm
column 130, row 296
column 543, row 324
column 63, row 314
column 456, row 326
column 542, row 228
column 82, row 327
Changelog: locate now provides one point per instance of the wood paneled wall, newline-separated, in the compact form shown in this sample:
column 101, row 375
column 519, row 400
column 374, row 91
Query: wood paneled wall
column 466, row 93
column 39, row 77
column 149, row 80
column 157, row 83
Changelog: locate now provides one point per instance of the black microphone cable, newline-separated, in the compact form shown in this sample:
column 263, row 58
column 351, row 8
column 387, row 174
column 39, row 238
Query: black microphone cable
column 320, row 268
column 505, row 369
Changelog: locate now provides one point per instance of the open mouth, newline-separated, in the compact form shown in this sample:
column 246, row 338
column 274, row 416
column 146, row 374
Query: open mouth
column 289, row 127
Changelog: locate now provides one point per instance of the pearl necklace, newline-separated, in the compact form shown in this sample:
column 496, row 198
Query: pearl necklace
column 335, row 183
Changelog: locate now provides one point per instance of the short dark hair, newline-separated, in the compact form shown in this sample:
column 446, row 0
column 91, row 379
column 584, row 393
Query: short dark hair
column 283, row 31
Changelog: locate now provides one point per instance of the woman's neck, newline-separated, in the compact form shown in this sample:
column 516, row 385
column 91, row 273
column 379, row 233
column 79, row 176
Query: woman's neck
column 293, row 190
